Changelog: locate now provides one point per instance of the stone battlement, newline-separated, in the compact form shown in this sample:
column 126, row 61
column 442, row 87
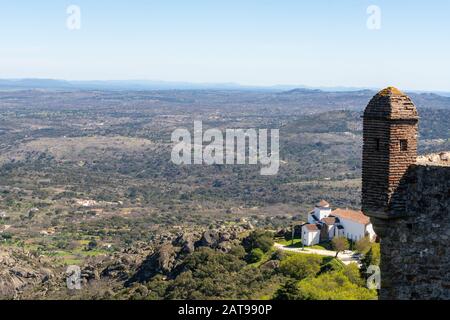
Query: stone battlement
column 435, row 159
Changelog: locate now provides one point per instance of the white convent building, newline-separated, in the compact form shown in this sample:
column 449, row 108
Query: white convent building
column 324, row 224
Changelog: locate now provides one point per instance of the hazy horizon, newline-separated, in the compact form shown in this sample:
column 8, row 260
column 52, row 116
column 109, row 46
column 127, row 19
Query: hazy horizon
column 154, row 84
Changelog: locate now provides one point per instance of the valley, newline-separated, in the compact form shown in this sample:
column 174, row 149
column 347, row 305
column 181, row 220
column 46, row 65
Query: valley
column 86, row 179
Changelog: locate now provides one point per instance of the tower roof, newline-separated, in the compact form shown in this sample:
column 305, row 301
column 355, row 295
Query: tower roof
column 391, row 104
column 322, row 204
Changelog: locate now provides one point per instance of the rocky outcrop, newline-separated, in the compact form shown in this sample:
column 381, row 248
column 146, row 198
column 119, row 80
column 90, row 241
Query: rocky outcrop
column 171, row 254
column 271, row 265
column 20, row 271
column 186, row 241
column 221, row 240
column 210, row 238
column 25, row 276
column 162, row 261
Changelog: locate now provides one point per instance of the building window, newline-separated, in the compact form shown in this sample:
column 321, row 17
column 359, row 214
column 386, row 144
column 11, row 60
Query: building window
column 403, row 145
column 377, row 144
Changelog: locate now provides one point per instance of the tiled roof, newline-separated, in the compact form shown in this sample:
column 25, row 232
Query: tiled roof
column 356, row 216
column 329, row 221
column 323, row 204
column 311, row 227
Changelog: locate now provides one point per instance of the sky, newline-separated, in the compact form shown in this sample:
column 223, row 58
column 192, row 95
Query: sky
column 316, row 43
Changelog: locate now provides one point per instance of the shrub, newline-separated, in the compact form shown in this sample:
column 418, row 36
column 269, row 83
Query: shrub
column 333, row 286
column 332, row 264
column 92, row 245
column 237, row 251
column 255, row 255
column 259, row 240
column 372, row 257
column 6, row 236
column 289, row 291
column 300, row 266
column 352, row 272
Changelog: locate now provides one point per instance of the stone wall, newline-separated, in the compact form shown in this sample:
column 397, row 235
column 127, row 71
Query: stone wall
column 415, row 253
column 408, row 200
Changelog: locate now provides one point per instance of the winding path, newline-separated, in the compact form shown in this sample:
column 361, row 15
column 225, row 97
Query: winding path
column 346, row 257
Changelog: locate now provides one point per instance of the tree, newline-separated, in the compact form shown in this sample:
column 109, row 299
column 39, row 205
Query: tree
column 92, row 245
column 363, row 245
column 259, row 239
column 238, row 251
column 6, row 236
column 340, row 244
column 300, row 266
column 289, row 291
column 371, row 258
column 255, row 255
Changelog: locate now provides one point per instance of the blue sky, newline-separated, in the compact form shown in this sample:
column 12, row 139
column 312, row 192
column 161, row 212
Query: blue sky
column 254, row 42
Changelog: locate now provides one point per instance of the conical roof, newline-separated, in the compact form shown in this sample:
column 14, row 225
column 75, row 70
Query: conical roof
column 391, row 104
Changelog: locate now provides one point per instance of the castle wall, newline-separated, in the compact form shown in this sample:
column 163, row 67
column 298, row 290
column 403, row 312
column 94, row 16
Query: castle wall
column 415, row 254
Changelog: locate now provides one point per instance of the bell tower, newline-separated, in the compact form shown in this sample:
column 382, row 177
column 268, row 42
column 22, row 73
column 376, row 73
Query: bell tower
column 389, row 149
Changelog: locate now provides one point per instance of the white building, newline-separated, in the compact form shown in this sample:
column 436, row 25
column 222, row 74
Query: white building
column 355, row 224
column 310, row 235
column 325, row 224
column 322, row 210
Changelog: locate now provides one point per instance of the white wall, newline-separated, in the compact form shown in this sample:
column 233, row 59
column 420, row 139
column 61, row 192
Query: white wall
column 310, row 238
column 371, row 232
column 321, row 213
column 311, row 219
column 353, row 230
column 332, row 232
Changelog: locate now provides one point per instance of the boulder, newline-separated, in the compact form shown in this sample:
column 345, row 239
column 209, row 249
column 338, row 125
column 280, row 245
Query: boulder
column 21, row 272
column 210, row 238
column 224, row 247
column 271, row 265
column 162, row 261
column 186, row 241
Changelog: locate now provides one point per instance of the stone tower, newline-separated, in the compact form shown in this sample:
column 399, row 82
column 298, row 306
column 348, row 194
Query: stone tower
column 389, row 149
column 408, row 200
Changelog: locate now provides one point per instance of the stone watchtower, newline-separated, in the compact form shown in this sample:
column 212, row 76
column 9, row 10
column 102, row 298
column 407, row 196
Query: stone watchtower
column 390, row 148
column 407, row 199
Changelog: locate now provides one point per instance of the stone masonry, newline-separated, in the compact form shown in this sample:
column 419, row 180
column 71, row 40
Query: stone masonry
column 390, row 147
column 408, row 200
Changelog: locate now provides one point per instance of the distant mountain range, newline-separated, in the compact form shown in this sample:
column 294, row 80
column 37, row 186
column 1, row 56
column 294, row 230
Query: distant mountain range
column 54, row 84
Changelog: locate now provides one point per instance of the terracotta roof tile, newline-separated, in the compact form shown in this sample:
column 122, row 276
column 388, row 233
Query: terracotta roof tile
column 352, row 215
column 329, row 221
column 311, row 227
column 323, row 204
